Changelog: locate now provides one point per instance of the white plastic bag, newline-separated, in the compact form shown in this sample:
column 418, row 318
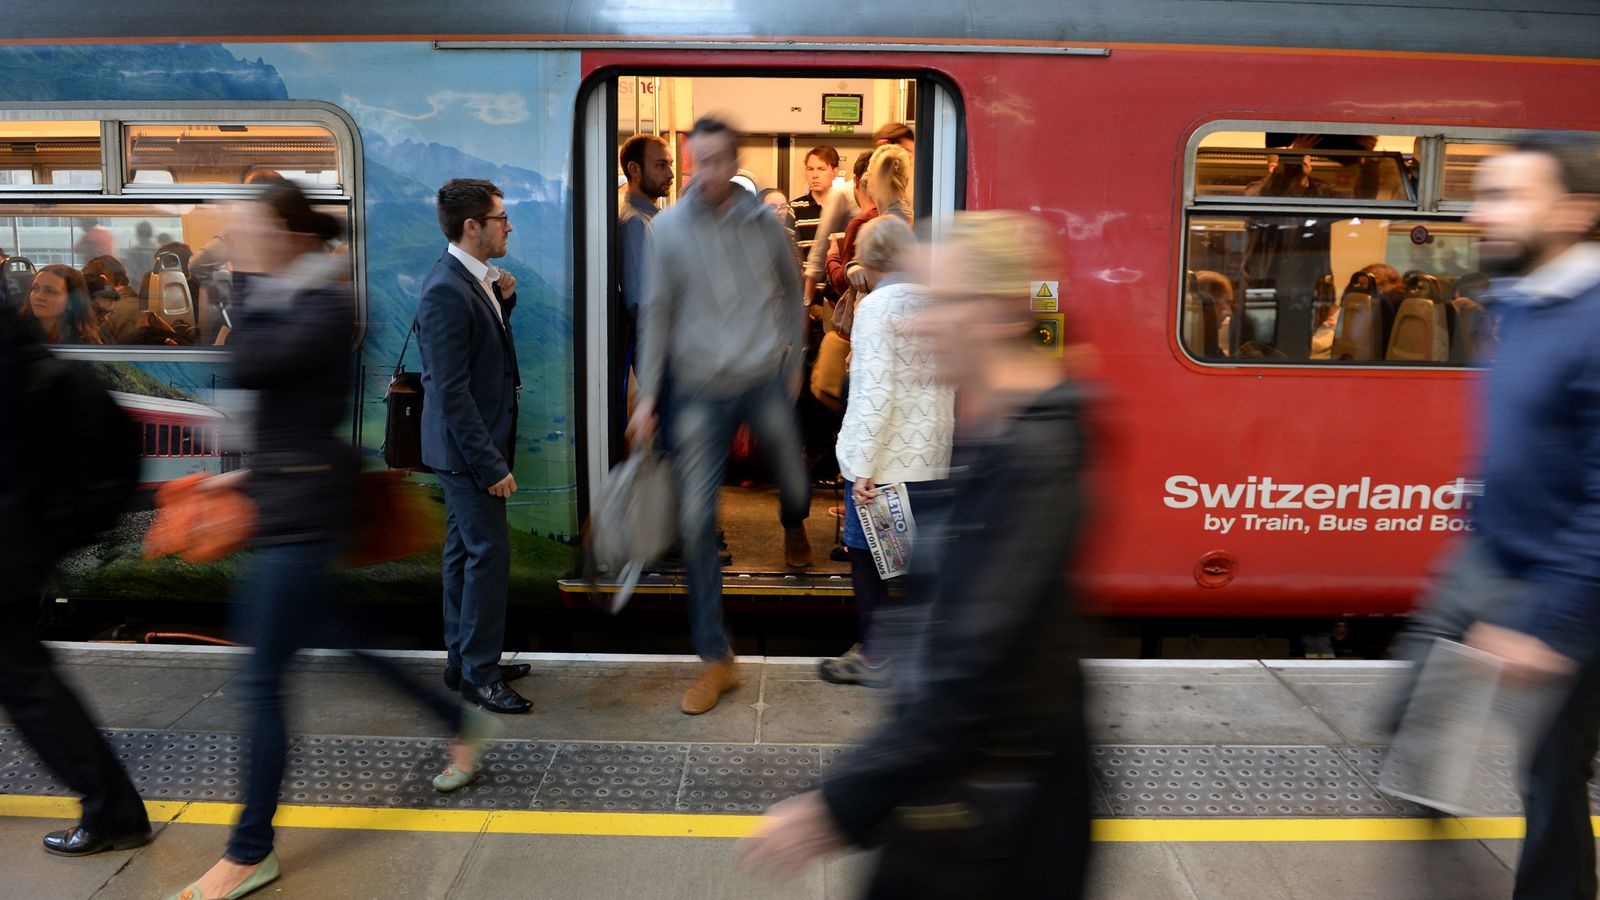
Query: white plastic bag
column 633, row 523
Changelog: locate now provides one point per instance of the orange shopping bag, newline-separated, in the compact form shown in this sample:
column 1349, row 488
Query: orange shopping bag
column 200, row 520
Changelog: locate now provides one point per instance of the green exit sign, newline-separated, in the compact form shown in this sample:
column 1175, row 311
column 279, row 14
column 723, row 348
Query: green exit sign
column 841, row 109
column 841, row 129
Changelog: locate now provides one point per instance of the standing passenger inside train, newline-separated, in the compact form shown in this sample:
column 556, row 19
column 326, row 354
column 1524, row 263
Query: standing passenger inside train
column 59, row 307
column 840, row 207
column 724, row 315
column 647, row 165
column 897, row 426
column 978, row 783
column 888, row 181
column 1525, row 585
column 822, row 167
column 297, row 319
column 469, row 429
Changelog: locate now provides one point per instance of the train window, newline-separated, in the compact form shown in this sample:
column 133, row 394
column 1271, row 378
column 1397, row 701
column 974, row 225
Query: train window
column 50, row 155
column 230, row 154
column 1334, row 288
column 1461, row 161
column 134, row 196
column 161, row 442
column 187, row 446
column 149, row 440
column 1269, row 166
column 157, row 273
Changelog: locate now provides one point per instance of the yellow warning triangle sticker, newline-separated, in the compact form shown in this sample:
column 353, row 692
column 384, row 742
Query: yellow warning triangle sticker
column 1044, row 292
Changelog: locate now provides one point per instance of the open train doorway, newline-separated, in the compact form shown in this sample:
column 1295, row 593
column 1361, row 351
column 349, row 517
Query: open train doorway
column 789, row 123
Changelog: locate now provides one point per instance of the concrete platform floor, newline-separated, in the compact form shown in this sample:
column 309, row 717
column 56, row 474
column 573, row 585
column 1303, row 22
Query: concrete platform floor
column 1246, row 726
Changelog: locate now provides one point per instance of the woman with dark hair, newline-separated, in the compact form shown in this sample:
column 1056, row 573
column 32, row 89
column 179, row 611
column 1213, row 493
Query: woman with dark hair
column 293, row 348
column 58, row 306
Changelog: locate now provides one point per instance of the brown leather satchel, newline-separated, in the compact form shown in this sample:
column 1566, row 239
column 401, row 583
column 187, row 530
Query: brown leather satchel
column 829, row 372
column 394, row 520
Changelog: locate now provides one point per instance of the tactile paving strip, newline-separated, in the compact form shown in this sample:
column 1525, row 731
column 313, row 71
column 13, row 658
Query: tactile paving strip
column 1165, row 781
column 205, row 767
column 614, row 778
column 745, row 779
column 1299, row 781
column 509, row 775
column 335, row 771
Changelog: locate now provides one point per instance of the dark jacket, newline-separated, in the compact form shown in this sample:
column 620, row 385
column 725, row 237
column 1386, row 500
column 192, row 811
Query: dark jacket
column 1000, row 676
column 21, row 552
column 1540, row 511
column 297, row 355
column 469, row 376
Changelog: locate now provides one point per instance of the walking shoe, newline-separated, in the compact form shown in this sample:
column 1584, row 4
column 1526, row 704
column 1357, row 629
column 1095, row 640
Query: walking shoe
column 266, row 874
column 78, row 841
column 477, row 727
column 715, row 679
column 796, row 547
column 851, row 667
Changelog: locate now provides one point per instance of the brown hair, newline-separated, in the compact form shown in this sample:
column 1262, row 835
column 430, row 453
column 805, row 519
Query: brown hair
column 79, row 325
column 291, row 206
column 633, row 151
column 894, row 133
column 461, row 199
column 825, row 153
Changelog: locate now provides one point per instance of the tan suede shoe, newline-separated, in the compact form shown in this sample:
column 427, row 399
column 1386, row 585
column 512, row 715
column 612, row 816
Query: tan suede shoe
column 796, row 547
column 715, row 679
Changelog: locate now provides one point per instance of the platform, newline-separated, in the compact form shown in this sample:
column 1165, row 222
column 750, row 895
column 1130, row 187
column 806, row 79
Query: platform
column 1213, row 780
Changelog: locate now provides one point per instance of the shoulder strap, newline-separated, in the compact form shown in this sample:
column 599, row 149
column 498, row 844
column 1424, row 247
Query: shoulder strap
column 400, row 364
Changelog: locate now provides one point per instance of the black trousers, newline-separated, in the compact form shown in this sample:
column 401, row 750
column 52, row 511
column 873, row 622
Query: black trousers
column 57, row 725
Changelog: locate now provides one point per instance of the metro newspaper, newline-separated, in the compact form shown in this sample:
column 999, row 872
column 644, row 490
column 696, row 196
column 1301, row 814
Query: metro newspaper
column 889, row 527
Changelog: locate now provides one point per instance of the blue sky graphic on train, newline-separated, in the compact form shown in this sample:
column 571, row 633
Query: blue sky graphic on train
column 424, row 116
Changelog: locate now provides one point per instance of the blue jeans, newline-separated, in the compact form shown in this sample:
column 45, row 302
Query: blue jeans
column 700, row 432
column 286, row 600
column 477, row 577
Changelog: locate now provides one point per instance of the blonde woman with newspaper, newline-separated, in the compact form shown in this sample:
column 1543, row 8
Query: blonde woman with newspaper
column 895, row 437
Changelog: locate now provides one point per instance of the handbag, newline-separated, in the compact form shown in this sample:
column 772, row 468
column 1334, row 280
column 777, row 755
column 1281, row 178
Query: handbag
column 633, row 522
column 394, row 520
column 200, row 522
column 402, row 429
column 829, row 373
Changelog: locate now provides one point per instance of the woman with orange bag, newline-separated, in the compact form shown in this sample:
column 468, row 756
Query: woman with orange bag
column 292, row 346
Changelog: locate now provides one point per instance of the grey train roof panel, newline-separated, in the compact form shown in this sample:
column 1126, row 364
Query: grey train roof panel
column 1560, row 28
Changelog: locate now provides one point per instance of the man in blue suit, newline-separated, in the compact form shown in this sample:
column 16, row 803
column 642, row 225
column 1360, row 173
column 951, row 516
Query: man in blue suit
column 469, row 426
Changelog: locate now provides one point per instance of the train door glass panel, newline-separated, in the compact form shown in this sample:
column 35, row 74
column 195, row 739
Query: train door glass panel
column 781, row 121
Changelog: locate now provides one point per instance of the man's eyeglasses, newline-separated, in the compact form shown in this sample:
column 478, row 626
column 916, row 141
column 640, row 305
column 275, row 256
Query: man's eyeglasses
column 485, row 219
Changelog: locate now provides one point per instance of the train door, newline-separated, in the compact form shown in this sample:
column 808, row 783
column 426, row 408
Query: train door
column 787, row 122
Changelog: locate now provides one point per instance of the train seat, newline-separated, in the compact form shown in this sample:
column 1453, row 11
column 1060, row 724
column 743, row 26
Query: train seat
column 168, row 289
column 1360, row 329
column 1422, row 323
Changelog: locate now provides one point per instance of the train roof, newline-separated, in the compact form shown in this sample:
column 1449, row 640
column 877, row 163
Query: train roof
column 163, row 405
column 1540, row 28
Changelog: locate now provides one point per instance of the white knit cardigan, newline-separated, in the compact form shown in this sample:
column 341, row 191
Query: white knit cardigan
column 899, row 420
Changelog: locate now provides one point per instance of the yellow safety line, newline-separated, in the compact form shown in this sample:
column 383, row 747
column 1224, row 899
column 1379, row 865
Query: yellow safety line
column 1159, row 831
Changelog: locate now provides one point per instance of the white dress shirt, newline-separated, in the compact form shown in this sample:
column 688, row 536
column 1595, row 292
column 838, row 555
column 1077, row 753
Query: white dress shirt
column 486, row 275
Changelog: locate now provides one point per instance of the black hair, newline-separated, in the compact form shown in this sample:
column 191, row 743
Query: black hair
column 294, row 209
column 633, row 151
column 1576, row 154
column 464, row 198
column 711, row 124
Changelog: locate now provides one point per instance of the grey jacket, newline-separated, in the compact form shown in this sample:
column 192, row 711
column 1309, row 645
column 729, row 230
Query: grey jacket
column 723, row 306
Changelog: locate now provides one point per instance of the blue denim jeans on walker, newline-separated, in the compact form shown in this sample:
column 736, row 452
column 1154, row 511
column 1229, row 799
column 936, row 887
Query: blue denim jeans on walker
column 700, row 432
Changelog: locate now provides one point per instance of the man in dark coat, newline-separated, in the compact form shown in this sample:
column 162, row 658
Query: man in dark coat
column 469, row 426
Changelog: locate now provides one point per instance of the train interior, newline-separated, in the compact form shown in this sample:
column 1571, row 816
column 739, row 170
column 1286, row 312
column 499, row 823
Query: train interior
column 781, row 120
column 165, row 230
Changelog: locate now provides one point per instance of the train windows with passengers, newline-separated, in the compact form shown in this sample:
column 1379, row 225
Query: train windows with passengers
column 1322, row 249
column 155, row 258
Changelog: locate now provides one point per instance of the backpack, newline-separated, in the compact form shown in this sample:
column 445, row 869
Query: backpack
column 82, row 479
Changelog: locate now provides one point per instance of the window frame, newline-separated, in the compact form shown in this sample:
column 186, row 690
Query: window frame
column 1429, row 152
column 116, row 186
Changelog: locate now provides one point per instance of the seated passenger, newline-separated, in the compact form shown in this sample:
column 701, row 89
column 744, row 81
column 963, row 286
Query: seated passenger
column 1258, row 350
column 1476, row 328
column 1215, row 290
column 58, row 306
column 1325, row 318
column 1391, row 289
column 116, row 302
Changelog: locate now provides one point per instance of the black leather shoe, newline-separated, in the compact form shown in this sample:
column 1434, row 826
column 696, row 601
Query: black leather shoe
column 452, row 674
column 497, row 697
column 78, row 842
